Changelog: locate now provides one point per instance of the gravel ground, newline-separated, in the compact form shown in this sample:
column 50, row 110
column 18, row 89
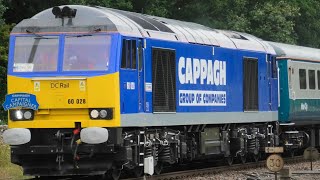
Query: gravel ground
column 265, row 174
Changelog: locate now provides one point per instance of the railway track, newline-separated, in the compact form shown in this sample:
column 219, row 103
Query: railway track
column 202, row 171
column 214, row 170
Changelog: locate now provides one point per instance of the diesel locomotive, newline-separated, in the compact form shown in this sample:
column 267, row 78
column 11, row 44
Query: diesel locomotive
column 94, row 90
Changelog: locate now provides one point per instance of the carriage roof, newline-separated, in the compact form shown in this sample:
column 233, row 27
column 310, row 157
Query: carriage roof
column 287, row 51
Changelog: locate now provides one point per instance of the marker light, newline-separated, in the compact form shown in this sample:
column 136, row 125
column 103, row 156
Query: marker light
column 103, row 113
column 19, row 114
column 94, row 113
column 27, row 115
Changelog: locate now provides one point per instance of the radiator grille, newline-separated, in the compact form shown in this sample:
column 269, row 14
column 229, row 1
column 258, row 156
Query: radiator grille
column 163, row 80
column 250, row 84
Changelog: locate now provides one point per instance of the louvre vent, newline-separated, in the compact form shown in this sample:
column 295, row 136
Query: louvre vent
column 163, row 80
column 250, row 84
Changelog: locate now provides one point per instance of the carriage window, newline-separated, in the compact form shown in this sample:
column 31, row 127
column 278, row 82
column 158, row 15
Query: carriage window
column 312, row 79
column 129, row 53
column 303, row 79
column 318, row 77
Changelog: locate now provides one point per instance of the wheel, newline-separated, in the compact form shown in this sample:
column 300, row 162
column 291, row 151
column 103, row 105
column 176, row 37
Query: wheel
column 138, row 171
column 116, row 174
column 243, row 158
column 229, row 160
column 158, row 168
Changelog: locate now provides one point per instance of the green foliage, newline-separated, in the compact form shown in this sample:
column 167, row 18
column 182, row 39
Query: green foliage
column 270, row 20
column 4, row 39
column 7, row 169
column 307, row 26
column 3, row 8
column 274, row 21
column 117, row 4
column 4, row 48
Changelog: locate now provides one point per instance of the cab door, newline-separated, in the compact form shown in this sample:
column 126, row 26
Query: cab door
column 132, row 76
column 141, row 83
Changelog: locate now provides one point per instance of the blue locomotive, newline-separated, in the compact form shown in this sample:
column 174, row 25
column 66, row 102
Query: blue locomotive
column 94, row 90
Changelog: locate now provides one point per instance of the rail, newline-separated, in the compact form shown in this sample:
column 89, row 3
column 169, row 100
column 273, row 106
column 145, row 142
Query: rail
column 214, row 170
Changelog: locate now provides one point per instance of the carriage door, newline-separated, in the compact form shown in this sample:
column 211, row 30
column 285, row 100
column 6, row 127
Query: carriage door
column 163, row 80
column 250, row 84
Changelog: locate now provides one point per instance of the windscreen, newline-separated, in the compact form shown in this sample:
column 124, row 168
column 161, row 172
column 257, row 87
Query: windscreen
column 86, row 53
column 35, row 54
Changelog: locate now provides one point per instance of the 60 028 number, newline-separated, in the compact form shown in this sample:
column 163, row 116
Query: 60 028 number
column 77, row 101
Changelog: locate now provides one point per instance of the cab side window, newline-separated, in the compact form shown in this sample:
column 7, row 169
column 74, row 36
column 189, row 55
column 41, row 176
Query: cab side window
column 129, row 54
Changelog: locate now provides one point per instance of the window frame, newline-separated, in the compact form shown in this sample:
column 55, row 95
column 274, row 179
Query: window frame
column 318, row 79
column 305, row 79
column 131, row 56
column 314, row 79
column 13, row 46
column 85, row 35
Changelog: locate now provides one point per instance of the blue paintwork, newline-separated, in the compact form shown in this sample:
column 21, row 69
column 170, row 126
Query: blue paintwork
column 234, row 87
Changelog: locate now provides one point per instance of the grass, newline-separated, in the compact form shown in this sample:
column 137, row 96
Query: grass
column 8, row 171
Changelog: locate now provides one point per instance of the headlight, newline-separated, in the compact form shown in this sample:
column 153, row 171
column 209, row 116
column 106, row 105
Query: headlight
column 21, row 114
column 101, row 113
column 18, row 114
column 94, row 114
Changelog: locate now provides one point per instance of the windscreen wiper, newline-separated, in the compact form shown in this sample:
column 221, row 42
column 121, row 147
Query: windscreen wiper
column 38, row 36
column 88, row 34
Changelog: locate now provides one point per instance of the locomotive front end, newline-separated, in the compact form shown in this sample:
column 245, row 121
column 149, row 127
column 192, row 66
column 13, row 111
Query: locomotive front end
column 63, row 93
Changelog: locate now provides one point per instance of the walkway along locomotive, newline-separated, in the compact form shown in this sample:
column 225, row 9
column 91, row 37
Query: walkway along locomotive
column 94, row 90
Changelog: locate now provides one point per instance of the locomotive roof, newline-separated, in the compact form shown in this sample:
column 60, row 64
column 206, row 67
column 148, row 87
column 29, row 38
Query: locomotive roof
column 287, row 51
column 140, row 25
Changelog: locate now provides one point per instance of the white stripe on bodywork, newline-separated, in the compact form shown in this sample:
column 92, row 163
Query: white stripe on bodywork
column 174, row 119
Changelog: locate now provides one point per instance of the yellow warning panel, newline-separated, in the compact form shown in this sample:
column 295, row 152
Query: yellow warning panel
column 82, row 85
column 36, row 86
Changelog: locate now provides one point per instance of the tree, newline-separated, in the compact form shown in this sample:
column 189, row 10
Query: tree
column 29, row 8
column 274, row 21
column 270, row 20
column 4, row 48
column 162, row 8
column 307, row 26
